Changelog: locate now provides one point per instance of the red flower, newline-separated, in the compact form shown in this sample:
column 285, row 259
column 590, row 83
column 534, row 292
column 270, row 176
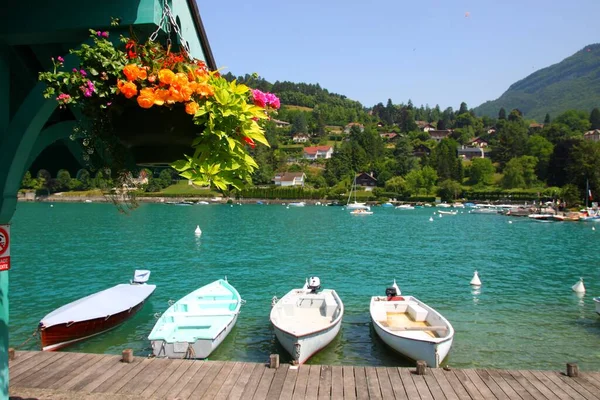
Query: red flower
column 130, row 47
column 249, row 141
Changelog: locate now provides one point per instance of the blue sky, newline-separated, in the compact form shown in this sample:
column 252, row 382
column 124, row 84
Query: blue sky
column 429, row 51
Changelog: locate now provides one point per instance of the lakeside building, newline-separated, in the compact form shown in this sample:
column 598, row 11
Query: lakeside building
column 289, row 179
column 316, row 152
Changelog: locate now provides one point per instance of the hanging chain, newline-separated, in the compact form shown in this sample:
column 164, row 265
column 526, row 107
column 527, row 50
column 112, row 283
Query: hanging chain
column 168, row 21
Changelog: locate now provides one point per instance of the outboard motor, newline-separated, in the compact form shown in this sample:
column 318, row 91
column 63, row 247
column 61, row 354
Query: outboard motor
column 314, row 284
column 391, row 292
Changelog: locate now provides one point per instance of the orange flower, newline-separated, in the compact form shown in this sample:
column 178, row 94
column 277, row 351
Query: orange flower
column 142, row 74
column 186, row 93
column 160, row 96
column 180, row 79
column 129, row 89
column 175, row 94
column 146, row 98
column 166, row 76
column 191, row 107
column 205, row 90
column 131, row 71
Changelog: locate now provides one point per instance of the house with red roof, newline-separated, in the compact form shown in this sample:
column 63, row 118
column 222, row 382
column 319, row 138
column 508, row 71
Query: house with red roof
column 315, row 152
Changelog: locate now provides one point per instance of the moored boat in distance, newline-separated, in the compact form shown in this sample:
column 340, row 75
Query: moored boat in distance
column 448, row 212
column 297, row 204
column 94, row 314
column 360, row 211
column 597, row 301
column 405, row 207
column 197, row 323
column 541, row 217
column 306, row 320
column 411, row 327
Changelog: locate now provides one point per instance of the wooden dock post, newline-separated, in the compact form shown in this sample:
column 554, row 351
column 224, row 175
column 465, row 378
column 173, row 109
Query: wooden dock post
column 572, row 370
column 127, row 356
column 11, row 353
column 421, row 367
column 274, row 361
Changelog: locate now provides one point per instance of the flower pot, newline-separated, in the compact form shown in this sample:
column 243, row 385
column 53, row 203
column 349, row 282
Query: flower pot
column 156, row 136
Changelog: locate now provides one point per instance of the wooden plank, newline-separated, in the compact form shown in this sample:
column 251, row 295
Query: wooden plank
column 312, row 389
column 214, row 385
column 580, row 387
column 397, row 385
column 373, row 383
column 87, row 376
column 444, row 385
column 524, row 382
column 509, row 385
column 230, row 381
column 99, row 379
column 23, row 377
column 287, row 391
column 69, row 371
column 456, row 386
column 479, row 384
column 490, row 383
column 164, row 374
column 557, row 386
column 238, row 388
column 253, row 381
column 466, row 384
column 349, row 383
column 142, row 381
column 592, row 377
column 196, row 387
column 191, row 382
column 384, row 383
column 180, row 377
column 434, row 387
column 35, row 363
column 67, row 363
column 21, row 356
column 360, row 379
column 265, row 383
column 409, row 384
column 421, row 386
column 538, row 385
column 337, row 382
column 82, row 369
column 325, row 383
column 278, row 382
column 301, row 382
column 117, row 382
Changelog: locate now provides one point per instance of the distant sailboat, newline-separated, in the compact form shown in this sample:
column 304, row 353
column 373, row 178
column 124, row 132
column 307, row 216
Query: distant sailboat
column 355, row 205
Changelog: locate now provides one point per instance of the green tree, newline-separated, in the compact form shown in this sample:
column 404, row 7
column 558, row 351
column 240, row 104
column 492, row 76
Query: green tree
column 502, row 113
column 547, row 119
column 595, row 119
column 577, row 121
column 444, row 158
column 541, row 148
column 571, row 195
column 520, row 173
column 398, row 185
column 512, row 140
column 403, row 155
column 430, row 178
column 463, row 108
column 63, row 177
column 27, row 182
column 83, row 176
column 449, row 190
column 299, row 123
column 482, row 172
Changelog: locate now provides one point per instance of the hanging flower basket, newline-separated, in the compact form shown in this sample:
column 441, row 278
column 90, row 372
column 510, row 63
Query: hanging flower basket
column 162, row 107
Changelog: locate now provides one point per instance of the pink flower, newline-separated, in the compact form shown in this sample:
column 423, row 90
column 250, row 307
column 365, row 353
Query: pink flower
column 75, row 70
column 99, row 33
column 272, row 100
column 82, row 72
column 259, row 98
column 104, row 34
column 60, row 59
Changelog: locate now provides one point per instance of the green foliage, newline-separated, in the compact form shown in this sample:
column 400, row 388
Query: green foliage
column 595, row 118
column 397, row 185
column 421, row 182
column 571, row 84
column 520, row 173
column 449, row 190
column 481, row 172
column 444, row 159
column 571, row 195
column 576, row 121
column 512, row 140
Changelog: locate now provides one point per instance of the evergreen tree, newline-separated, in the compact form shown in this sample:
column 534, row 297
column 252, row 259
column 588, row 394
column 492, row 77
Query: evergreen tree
column 547, row 119
column 502, row 113
column 444, row 158
column 463, row 108
column 595, row 119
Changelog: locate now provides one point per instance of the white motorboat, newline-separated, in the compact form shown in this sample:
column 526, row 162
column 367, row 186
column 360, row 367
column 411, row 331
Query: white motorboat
column 484, row 209
column 411, row 327
column 443, row 205
column 297, row 204
column 197, row 323
column 360, row 211
column 447, row 212
column 597, row 301
column 306, row 320
column 405, row 207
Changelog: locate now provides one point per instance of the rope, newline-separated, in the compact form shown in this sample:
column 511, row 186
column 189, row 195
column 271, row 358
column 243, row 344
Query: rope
column 33, row 335
column 274, row 301
column 190, row 353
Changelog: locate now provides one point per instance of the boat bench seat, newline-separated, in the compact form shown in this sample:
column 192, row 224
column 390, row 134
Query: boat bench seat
column 230, row 301
column 330, row 306
column 205, row 313
column 416, row 312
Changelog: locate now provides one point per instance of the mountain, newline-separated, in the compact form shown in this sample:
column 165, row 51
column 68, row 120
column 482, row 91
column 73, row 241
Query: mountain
column 573, row 83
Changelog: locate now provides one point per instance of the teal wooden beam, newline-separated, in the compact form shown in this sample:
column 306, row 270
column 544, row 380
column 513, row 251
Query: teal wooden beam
column 52, row 134
column 4, row 88
column 4, row 315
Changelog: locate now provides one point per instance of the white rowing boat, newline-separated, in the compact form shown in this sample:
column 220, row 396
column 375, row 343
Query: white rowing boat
column 411, row 327
column 306, row 320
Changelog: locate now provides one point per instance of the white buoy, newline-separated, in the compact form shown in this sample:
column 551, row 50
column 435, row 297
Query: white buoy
column 578, row 287
column 475, row 281
column 51, row 205
column 593, row 228
column 440, row 215
column 287, row 207
column 198, row 231
column 510, row 222
column 430, row 219
column 231, row 205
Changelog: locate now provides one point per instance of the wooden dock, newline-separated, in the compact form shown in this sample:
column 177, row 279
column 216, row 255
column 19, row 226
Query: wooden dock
column 62, row 375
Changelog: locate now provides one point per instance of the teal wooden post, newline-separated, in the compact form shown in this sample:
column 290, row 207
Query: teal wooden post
column 4, row 121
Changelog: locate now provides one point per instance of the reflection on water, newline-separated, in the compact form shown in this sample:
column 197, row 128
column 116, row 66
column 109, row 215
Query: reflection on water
column 475, row 292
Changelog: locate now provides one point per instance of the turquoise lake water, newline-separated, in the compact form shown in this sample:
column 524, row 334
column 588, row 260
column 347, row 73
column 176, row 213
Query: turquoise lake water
column 524, row 316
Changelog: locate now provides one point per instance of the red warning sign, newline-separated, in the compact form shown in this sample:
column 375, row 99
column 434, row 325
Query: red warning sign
column 4, row 247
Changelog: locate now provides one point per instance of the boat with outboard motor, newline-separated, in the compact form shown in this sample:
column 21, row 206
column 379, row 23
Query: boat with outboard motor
column 197, row 323
column 306, row 320
column 411, row 327
column 94, row 314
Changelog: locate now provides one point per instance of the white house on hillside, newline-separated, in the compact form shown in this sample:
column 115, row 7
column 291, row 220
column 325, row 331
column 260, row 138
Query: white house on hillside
column 289, row 179
column 315, row 152
column 300, row 138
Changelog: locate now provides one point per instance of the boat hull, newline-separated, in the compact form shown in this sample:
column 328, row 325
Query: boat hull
column 201, row 348
column 432, row 353
column 301, row 348
column 597, row 301
column 58, row 336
